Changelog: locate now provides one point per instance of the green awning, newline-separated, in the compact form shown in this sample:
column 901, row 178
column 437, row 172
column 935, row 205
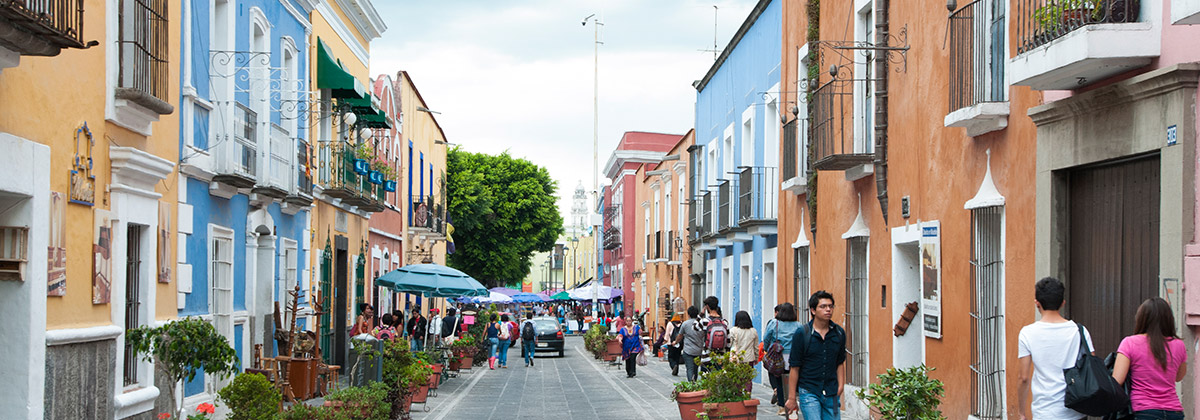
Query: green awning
column 331, row 75
column 373, row 120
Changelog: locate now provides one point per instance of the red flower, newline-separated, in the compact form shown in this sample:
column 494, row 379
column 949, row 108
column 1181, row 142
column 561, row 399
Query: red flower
column 205, row 408
column 164, row 416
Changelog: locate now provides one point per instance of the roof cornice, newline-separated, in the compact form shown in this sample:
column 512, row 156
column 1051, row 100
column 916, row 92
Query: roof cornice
column 620, row 157
column 364, row 17
column 737, row 37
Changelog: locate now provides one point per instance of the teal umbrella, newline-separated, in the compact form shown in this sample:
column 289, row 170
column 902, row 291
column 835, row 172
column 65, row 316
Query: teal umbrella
column 431, row 280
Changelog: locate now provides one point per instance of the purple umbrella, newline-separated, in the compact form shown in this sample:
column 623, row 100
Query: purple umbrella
column 505, row 291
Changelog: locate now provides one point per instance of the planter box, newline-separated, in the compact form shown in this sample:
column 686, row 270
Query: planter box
column 613, row 350
column 389, row 186
column 690, row 404
column 362, row 167
column 375, row 177
column 421, row 394
column 747, row 409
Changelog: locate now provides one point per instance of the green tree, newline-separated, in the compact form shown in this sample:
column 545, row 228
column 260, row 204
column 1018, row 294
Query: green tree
column 504, row 209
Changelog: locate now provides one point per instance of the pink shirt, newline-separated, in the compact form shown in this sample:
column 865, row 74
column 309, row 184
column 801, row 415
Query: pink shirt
column 1153, row 387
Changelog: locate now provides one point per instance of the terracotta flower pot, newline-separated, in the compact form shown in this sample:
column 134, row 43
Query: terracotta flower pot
column 455, row 364
column 421, row 394
column 613, row 350
column 747, row 409
column 465, row 361
column 434, row 380
column 690, row 404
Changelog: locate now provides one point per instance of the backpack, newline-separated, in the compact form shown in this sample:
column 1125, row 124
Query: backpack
column 504, row 335
column 773, row 361
column 527, row 332
column 675, row 335
column 718, row 335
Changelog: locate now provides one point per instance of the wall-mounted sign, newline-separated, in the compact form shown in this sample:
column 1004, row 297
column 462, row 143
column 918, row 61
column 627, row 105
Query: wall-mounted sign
column 102, row 237
column 83, row 182
column 931, row 279
column 56, row 278
column 164, row 242
column 1172, row 135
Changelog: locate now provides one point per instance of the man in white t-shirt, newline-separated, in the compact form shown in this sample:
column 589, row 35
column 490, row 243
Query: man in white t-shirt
column 1044, row 349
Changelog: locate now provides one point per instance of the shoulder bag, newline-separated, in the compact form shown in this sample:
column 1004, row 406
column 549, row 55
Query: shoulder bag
column 1091, row 390
column 773, row 361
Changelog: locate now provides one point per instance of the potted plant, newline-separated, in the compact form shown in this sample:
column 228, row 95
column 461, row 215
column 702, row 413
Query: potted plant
column 612, row 347
column 905, row 394
column 364, row 402
column 689, row 395
column 436, row 362
column 417, row 377
column 594, row 338
column 207, row 351
column 726, row 385
column 250, row 396
column 364, row 153
column 464, row 349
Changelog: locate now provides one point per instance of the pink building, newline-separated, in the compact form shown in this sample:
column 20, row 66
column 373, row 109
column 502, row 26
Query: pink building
column 635, row 149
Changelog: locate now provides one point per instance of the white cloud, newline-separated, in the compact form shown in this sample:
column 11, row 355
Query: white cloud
column 518, row 76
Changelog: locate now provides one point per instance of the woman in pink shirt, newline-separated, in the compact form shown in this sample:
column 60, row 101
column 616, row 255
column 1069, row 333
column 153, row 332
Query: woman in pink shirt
column 1154, row 358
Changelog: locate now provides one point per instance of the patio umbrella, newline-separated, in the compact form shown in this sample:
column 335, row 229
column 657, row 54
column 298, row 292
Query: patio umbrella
column 506, row 291
column 494, row 297
column 527, row 298
column 431, row 280
column 561, row 296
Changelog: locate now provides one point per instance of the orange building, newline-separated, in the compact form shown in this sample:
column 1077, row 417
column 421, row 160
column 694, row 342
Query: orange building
column 660, row 235
column 889, row 205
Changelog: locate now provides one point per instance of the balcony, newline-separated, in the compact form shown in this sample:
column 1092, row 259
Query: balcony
column 344, row 177
column 429, row 215
column 41, row 27
column 758, row 200
column 978, row 94
column 704, row 231
column 835, row 143
column 1067, row 44
column 795, row 154
column 237, row 160
column 302, row 195
column 611, row 227
column 724, row 215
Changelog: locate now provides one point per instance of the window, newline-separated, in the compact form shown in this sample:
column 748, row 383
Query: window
column 864, row 91
column 200, row 126
column 289, row 265
column 245, row 134
column 144, row 47
column 856, row 312
column 747, row 158
column 220, row 277
column 800, row 275
column 977, row 54
column 133, row 298
column 987, row 313
column 800, row 128
column 771, row 130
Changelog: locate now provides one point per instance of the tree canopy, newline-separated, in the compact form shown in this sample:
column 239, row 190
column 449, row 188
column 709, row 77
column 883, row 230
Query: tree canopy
column 504, row 210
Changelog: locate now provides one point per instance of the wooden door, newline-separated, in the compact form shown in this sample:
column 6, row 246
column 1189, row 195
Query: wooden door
column 1114, row 226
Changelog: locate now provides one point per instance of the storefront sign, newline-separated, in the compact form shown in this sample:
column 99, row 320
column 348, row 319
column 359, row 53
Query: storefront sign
column 931, row 279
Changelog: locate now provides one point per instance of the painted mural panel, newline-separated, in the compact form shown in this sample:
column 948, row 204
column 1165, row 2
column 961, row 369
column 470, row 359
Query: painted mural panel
column 164, row 242
column 102, row 257
column 56, row 275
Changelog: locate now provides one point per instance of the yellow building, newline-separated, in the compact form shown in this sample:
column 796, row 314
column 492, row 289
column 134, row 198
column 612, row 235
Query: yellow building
column 88, row 92
column 345, row 199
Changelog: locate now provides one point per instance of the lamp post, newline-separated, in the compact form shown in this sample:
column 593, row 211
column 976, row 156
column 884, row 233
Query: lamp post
column 596, row 24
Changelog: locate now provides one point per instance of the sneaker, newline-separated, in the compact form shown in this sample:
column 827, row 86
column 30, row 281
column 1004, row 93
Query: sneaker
column 675, row 372
column 782, row 411
column 774, row 397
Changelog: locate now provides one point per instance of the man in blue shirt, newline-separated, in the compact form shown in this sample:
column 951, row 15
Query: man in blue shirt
column 818, row 351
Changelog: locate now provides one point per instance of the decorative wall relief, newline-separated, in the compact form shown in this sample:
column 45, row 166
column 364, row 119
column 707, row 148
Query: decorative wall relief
column 56, row 277
column 83, row 182
column 164, row 242
column 102, row 238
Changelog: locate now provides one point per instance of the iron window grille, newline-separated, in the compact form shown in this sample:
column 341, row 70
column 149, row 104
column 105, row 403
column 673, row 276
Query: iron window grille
column 133, row 298
column 145, row 46
column 856, row 312
column 987, row 315
column 802, row 280
column 977, row 55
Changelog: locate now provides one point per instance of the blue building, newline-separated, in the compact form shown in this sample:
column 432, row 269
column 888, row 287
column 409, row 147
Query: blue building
column 736, row 179
column 244, row 192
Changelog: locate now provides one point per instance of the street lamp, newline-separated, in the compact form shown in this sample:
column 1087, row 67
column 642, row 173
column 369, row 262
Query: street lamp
column 596, row 23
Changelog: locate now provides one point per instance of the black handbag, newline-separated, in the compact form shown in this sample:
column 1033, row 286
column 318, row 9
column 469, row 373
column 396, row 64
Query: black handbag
column 1125, row 413
column 1091, row 390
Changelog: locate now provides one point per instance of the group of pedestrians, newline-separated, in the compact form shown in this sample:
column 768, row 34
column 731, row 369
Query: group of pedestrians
column 1152, row 360
column 417, row 331
column 501, row 332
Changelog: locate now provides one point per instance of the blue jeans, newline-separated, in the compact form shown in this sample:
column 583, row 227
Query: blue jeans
column 418, row 345
column 692, row 369
column 818, row 407
column 495, row 343
column 529, row 349
column 502, row 353
column 1157, row 415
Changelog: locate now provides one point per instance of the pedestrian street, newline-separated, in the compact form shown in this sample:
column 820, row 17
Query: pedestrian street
column 576, row 386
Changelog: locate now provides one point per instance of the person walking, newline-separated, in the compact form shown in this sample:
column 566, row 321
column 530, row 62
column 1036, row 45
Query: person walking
column 691, row 342
column 416, row 330
column 493, row 337
column 450, row 327
column 674, row 346
column 1044, row 349
column 528, row 340
column 1154, row 358
column 744, row 338
column 434, row 332
column 505, row 338
column 780, row 330
column 631, row 346
column 815, row 378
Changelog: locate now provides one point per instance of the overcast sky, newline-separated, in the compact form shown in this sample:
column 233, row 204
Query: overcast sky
column 517, row 75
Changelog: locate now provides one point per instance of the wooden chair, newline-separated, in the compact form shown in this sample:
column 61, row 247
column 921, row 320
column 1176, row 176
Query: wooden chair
column 328, row 377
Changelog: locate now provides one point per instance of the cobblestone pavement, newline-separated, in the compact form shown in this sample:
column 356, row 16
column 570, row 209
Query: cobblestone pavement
column 572, row 387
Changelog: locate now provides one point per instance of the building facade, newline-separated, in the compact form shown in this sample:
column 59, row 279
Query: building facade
column 619, row 257
column 736, row 174
column 90, row 177
column 663, row 286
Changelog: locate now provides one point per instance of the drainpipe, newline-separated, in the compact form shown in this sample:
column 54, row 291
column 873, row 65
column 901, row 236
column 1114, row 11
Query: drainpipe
column 881, row 105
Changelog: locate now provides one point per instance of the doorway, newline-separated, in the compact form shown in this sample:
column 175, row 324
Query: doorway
column 341, row 282
column 908, row 349
column 1113, row 246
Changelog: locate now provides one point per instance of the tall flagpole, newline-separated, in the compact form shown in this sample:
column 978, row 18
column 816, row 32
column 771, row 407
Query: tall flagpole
column 595, row 139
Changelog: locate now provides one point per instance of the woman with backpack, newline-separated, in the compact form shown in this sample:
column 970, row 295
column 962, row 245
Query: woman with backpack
column 505, row 339
column 744, row 338
column 1154, row 358
column 631, row 346
column 777, row 340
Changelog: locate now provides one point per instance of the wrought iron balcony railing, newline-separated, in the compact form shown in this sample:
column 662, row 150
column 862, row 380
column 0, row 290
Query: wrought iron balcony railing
column 1042, row 21
column 837, row 147
column 145, row 47
column 758, row 195
column 789, row 159
column 430, row 214
column 725, row 205
column 977, row 54
column 346, row 178
column 42, row 27
column 612, row 237
column 707, row 216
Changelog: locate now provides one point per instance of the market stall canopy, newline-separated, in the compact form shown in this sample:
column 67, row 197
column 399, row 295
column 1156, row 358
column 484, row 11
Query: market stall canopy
column 506, row 291
column 527, row 298
column 431, row 280
column 561, row 296
column 331, row 75
column 603, row 293
column 494, row 297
